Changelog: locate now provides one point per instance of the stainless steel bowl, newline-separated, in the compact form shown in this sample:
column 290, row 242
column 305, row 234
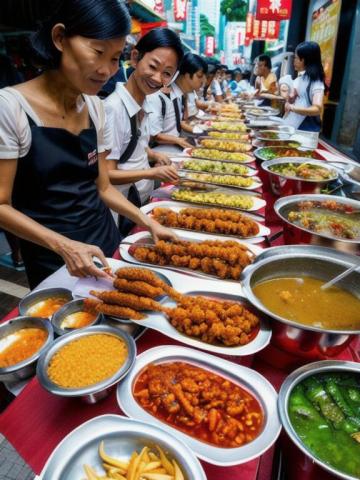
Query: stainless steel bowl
column 290, row 382
column 294, row 234
column 27, row 367
column 283, row 185
column 261, row 135
column 258, row 153
column 42, row 294
column 302, row 340
column 92, row 393
column 68, row 309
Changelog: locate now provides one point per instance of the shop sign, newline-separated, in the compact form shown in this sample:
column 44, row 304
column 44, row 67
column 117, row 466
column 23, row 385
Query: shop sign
column 209, row 46
column 180, row 10
column 273, row 9
column 248, row 28
column 159, row 6
column 265, row 30
column 324, row 30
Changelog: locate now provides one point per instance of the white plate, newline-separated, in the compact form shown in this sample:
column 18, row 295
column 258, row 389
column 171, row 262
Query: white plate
column 122, row 436
column 247, row 378
column 186, row 153
column 257, row 182
column 185, row 235
column 177, row 206
column 179, row 161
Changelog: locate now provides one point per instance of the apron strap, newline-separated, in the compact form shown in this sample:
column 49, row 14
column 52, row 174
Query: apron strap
column 177, row 113
column 135, row 135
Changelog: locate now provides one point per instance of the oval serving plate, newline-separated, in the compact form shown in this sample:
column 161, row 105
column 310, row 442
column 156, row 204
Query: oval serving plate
column 144, row 237
column 177, row 206
column 160, row 323
column 299, row 161
column 121, row 436
column 249, row 379
column 184, row 177
column 248, row 157
column 179, row 161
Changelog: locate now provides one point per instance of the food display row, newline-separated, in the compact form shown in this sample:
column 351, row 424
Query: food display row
column 216, row 291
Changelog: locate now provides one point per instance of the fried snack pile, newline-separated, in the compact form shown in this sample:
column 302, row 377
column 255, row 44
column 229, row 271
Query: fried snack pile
column 224, row 117
column 146, row 465
column 227, row 145
column 214, row 154
column 201, row 403
column 211, row 220
column 228, row 126
column 229, row 180
column 214, row 321
column 221, row 199
column 135, row 291
column 229, row 135
column 216, row 167
column 222, row 259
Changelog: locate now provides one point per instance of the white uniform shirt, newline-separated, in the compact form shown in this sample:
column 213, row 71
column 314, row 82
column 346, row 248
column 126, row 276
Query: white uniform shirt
column 191, row 104
column 15, row 131
column 301, row 84
column 119, row 107
column 216, row 88
column 166, row 124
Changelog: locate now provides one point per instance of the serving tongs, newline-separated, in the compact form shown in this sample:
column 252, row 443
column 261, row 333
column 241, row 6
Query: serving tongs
column 339, row 277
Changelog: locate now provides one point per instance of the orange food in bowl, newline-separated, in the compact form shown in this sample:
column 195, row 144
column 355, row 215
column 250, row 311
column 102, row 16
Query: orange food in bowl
column 46, row 308
column 78, row 320
column 87, row 360
column 20, row 345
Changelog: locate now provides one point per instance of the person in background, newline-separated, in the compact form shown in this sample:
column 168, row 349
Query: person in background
column 266, row 81
column 155, row 59
column 55, row 192
column 286, row 87
column 304, row 109
column 169, row 112
column 216, row 90
column 238, row 84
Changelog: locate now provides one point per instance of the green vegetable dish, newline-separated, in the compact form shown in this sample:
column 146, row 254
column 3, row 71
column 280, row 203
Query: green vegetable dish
column 269, row 153
column 324, row 410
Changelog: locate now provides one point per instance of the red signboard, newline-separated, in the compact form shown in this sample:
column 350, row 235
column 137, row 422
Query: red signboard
column 249, row 28
column 180, row 10
column 159, row 6
column 264, row 30
column 273, row 9
column 209, row 46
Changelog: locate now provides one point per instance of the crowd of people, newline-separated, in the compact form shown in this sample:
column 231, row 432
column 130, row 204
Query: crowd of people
column 75, row 168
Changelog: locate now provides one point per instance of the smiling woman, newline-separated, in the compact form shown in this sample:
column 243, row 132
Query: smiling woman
column 54, row 189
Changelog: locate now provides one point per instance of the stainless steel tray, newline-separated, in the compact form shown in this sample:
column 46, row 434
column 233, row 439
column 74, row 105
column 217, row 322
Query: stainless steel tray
column 251, row 380
column 299, row 161
column 250, row 159
column 121, row 436
column 185, row 177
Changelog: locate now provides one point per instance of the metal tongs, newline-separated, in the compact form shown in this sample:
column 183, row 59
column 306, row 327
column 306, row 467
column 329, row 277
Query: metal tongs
column 339, row 277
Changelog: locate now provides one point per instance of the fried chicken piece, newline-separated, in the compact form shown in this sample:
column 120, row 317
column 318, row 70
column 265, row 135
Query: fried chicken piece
column 128, row 300
column 140, row 274
column 117, row 311
column 90, row 305
column 138, row 288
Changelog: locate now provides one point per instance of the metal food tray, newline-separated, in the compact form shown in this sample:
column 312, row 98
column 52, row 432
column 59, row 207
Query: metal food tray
column 185, row 235
column 177, row 206
column 247, row 378
column 257, row 182
column 180, row 161
column 299, row 160
column 251, row 158
column 258, row 152
column 122, row 436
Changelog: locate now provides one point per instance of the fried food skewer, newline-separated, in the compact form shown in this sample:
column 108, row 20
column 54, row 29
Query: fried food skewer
column 128, row 300
column 137, row 287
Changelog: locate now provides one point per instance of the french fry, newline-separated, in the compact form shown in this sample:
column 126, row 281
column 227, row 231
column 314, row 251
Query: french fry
column 154, row 457
column 111, row 468
column 111, row 461
column 177, row 472
column 133, row 457
column 152, row 466
column 164, row 460
column 90, row 473
column 118, row 476
column 157, row 476
column 137, row 462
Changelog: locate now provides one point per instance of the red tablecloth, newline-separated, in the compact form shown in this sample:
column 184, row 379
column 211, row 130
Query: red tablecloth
column 37, row 421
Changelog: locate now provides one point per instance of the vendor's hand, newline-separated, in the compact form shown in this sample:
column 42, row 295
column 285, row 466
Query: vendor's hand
column 288, row 107
column 165, row 173
column 78, row 258
column 161, row 159
column 183, row 143
column 158, row 232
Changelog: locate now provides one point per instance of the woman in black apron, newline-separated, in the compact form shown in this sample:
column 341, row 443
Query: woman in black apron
column 54, row 189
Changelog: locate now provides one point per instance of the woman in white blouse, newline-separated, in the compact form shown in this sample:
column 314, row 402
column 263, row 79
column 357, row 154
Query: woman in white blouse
column 304, row 109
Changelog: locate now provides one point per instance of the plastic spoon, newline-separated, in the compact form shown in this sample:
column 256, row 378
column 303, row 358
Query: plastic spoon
column 339, row 277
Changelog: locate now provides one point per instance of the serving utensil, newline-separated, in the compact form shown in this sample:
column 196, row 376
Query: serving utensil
column 342, row 275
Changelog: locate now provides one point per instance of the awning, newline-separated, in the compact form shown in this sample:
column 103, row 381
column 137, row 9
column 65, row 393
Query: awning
column 144, row 13
column 188, row 45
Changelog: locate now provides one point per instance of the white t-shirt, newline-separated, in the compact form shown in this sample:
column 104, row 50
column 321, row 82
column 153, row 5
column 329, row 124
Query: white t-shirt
column 15, row 132
column 302, row 100
column 119, row 107
column 166, row 124
column 191, row 104
column 216, row 88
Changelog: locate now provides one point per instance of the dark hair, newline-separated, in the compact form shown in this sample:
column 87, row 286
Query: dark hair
column 97, row 19
column 266, row 59
column 192, row 63
column 212, row 69
column 236, row 72
column 160, row 38
column 311, row 54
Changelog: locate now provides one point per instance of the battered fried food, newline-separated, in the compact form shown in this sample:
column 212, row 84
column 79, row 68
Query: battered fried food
column 138, row 288
column 92, row 305
column 128, row 300
column 214, row 321
column 223, row 259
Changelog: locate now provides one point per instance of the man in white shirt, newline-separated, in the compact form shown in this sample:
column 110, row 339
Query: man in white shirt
column 170, row 109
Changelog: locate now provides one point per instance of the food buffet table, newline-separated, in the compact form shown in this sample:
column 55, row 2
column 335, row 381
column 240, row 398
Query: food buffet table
column 36, row 421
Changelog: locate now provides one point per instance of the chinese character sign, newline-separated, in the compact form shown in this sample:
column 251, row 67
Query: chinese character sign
column 265, row 30
column 209, row 46
column 180, row 10
column 159, row 6
column 273, row 9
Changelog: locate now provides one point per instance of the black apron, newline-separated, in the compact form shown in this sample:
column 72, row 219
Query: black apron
column 55, row 185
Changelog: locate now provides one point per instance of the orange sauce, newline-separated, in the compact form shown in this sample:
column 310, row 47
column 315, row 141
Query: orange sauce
column 20, row 345
column 46, row 308
column 78, row 320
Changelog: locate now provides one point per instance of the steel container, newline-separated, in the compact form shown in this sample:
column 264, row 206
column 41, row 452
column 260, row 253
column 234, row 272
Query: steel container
column 304, row 468
column 97, row 391
column 304, row 341
column 42, row 294
column 68, row 309
column 27, row 367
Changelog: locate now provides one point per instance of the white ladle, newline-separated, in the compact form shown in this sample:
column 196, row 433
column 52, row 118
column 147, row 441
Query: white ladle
column 339, row 277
